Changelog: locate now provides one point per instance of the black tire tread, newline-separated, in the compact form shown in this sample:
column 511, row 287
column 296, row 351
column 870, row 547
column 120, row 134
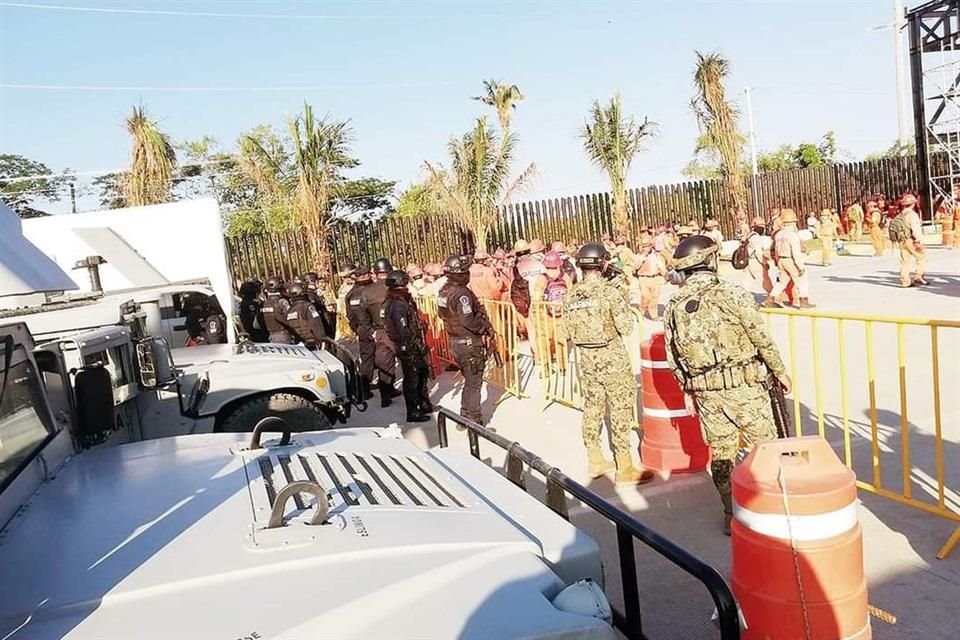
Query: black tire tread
column 299, row 413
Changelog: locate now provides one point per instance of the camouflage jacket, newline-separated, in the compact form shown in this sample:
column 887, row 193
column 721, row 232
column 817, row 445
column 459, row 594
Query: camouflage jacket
column 713, row 328
column 596, row 312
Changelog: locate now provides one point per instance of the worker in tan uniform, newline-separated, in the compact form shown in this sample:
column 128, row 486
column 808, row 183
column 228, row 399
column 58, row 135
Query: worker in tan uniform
column 874, row 229
column 791, row 263
column 910, row 245
column 828, row 235
column 650, row 269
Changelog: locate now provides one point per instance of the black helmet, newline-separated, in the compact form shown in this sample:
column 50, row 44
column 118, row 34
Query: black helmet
column 361, row 273
column 696, row 253
column 296, row 290
column 348, row 270
column 592, row 256
column 457, row 265
column 382, row 265
column 311, row 277
column 249, row 289
column 297, row 280
column 274, row 284
column 397, row 279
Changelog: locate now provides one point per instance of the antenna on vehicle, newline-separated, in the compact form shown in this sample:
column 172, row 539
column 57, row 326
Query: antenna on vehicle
column 92, row 265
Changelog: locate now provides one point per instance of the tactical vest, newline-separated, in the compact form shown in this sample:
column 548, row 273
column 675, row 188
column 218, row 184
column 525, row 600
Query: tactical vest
column 448, row 308
column 296, row 319
column 588, row 318
column 274, row 305
column 373, row 297
column 706, row 333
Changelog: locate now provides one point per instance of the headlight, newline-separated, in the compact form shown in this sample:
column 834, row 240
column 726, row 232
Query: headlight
column 584, row 598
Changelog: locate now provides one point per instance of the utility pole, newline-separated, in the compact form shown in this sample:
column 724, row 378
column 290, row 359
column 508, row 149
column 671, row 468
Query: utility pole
column 73, row 198
column 753, row 154
column 899, row 22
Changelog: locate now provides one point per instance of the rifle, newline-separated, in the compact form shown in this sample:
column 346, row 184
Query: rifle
column 781, row 417
column 490, row 345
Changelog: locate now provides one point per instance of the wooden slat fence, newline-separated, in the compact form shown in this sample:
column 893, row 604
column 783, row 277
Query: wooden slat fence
column 582, row 217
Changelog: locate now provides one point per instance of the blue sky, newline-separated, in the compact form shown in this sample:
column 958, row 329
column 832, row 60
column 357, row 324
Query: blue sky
column 403, row 73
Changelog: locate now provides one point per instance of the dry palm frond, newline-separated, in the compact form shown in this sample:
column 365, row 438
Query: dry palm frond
column 152, row 163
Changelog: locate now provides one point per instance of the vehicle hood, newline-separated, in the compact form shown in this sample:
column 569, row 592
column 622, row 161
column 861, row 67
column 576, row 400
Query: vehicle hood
column 168, row 538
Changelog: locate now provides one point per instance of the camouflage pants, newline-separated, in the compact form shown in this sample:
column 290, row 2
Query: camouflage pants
column 606, row 379
column 727, row 415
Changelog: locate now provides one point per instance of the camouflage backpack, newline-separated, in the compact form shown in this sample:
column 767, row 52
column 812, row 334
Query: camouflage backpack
column 899, row 229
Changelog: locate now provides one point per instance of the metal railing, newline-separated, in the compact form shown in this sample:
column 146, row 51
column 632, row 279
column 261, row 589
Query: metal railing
column 629, row 621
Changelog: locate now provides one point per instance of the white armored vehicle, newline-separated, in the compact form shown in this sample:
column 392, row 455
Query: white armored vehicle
column 350, row 533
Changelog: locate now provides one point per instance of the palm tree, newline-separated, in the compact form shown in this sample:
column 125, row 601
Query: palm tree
column 477, row 183
column 717, row 119
column 305, row 178
column 153, row 161
column 503, row 98
column 612, row 140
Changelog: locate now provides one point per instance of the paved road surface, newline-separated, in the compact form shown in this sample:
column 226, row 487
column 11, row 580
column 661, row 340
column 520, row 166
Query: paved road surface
column 900, row 542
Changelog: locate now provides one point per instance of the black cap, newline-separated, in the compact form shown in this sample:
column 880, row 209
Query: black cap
column 397, row 279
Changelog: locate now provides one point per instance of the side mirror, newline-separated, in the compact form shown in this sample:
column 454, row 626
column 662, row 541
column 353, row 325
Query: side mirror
column 154, row 363
column 94, row 394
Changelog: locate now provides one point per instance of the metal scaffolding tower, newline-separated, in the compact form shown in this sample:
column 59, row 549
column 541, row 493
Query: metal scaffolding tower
column 935, row 72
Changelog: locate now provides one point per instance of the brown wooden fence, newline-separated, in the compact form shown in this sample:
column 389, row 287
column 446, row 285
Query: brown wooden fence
column 584, row 217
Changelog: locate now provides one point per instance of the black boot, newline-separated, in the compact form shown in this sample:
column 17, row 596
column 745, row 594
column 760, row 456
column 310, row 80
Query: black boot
column 386, row 397
column 365, row 383
column 426, row 407
column 418, row 417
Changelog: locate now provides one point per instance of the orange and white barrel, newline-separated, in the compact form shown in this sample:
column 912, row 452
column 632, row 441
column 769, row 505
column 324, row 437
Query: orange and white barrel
column 672, row 441
column 797, row 559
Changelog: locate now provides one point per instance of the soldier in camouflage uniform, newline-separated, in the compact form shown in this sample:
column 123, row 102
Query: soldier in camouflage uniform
column 720, row 351
column 598, row 318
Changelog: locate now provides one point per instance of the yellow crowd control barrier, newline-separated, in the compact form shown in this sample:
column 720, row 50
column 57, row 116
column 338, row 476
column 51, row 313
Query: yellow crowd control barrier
column 343, row 326
column 873, row 387
column 504, row 320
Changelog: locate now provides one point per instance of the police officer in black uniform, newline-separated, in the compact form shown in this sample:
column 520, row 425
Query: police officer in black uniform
column 471, row 334
column 302, row 319
column 275, row 309
column 401, row 320
column 315, row 296
column 251, row 312
column 358, row 315
column 385, row 358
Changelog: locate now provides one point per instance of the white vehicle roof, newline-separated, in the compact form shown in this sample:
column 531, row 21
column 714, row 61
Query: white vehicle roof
column 24, row 269
column 167, row 538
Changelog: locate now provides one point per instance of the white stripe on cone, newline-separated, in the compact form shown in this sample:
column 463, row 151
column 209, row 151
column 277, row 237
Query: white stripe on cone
column 666, row 413
column 655, row 364
column 805, row 528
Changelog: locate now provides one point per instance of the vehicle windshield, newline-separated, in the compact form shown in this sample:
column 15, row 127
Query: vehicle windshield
column 22, row 426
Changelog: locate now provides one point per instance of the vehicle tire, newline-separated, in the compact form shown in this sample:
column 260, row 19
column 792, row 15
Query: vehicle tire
column 299, row 413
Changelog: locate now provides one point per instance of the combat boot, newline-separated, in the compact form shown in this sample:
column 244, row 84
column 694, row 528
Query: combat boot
column 386, row 395
column 727, row 501
column 805, row 304
column 417, row 417
column 597, row 465
column 629, row 474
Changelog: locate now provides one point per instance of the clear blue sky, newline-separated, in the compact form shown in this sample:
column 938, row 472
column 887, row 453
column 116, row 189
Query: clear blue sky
column 403, row 73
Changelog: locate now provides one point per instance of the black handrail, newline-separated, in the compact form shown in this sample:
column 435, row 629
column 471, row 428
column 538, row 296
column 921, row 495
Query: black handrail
column 628, row 529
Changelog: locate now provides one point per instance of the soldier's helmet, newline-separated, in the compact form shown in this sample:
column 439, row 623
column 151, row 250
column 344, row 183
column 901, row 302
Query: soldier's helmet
column 311, row 277
column 273, row 284
column 382, row 265
column 456, row 265
column 397, row 279
column 249, row 289
column 592, row 256
column 696, row 252
column 297, row 280
column 296, row 290
column 348, row 270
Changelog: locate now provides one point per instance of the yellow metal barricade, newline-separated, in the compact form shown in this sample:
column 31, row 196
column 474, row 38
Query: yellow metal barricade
column 343, row 326
column 871, row 385
column 439, row 339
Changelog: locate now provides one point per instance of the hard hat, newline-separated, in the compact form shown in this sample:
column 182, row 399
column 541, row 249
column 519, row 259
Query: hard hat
column 537, row 246
column 296, row 290
column 552, row 261
column 685, row 230
column 455, row 265
column 433, row 268
column 712, row 224
column 347, row 270
column 696, row 252
column 521, row 246
column 273, row 284
column 646, row 240
column 908, row 200
column 823, row 212
column 787, row 216
column 414, row 271
column 396, row 279
column 558, row 247
column 592, row 256
column 382, row 265
column 499, row 254
column 480, row 255
column 760, row 222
